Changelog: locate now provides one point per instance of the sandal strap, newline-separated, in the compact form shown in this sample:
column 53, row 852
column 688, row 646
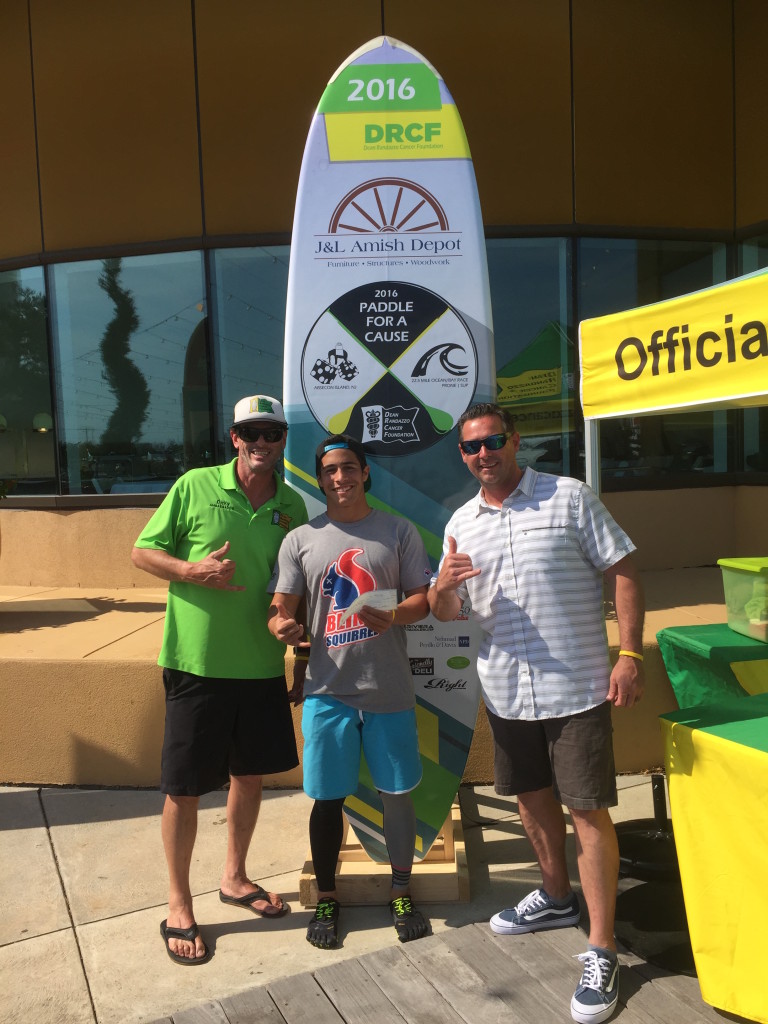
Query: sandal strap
column 258, row 894
column 188, row 934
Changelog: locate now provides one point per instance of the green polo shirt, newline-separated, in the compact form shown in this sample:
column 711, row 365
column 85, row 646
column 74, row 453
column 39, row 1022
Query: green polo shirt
column 222, row 633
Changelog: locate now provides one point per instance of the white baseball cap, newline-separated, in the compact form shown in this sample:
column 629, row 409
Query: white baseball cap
column 259, row 409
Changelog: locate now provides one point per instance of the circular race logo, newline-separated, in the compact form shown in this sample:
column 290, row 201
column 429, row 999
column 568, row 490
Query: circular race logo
column 390, row 363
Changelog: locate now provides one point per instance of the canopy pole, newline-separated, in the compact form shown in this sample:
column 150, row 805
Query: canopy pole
column 592, row 453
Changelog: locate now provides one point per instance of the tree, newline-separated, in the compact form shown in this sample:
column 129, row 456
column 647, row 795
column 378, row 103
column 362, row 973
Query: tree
column 124, row 378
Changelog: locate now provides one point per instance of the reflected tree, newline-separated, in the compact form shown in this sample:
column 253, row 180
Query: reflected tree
column 124, row 378
column 24, row 378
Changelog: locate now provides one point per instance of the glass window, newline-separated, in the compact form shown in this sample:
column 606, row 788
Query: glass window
column 668, row 449
column 27, row 450
column 131, row 371
column 535, row 355
column 249, row 289
column 752, row 449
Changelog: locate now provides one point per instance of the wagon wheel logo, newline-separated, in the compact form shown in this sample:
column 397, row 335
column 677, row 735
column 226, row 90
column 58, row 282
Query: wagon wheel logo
column 388, row 205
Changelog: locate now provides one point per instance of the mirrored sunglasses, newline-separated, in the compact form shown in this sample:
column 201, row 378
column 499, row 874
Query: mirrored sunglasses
column 492, row 443
column 248, row 432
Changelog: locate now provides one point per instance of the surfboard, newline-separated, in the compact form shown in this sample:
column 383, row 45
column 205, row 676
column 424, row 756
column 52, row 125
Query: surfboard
column 389, row 338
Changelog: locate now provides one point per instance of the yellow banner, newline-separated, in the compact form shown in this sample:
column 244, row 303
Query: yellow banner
column 397, row 135
column 702, row 349
column 530, row 385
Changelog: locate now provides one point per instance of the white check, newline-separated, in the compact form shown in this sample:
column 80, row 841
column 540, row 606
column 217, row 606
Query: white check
column 384, row 600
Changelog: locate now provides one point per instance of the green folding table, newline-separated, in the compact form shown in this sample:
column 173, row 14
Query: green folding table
column 708, row 663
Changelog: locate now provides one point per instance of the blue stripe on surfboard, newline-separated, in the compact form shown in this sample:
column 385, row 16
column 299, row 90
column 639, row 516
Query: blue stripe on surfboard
column 454, row 740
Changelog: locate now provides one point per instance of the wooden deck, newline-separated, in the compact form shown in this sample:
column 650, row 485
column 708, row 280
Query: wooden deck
column 464, row 976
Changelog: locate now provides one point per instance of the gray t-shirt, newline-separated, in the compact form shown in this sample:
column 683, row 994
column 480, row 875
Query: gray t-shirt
column 331, row 563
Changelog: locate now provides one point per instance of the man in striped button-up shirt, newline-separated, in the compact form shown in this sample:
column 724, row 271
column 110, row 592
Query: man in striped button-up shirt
column 530, row 552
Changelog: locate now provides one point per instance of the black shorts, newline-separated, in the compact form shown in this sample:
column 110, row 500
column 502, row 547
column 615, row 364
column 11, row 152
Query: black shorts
column 215, row 728
column 574, row 755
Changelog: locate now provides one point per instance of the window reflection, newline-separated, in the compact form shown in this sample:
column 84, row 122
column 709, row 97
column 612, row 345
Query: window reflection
column 27, row 455
column 667, row 449
column 535, row 357
column 249, row 293
column 132, row 351
column 132, row 375
column 753, row 449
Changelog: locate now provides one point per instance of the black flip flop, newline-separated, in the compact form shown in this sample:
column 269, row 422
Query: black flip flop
column 188, row 934
column 246, row 902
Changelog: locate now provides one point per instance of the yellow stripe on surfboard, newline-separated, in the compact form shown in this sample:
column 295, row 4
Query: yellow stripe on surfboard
column 429, row 734
column 301, row 474
column 375, row 817
column 365, row 811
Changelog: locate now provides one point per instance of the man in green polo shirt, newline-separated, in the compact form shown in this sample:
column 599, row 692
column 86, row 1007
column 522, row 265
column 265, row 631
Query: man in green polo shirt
column 215, row 538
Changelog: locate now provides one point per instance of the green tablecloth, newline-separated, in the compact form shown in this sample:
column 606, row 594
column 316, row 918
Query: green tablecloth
column 709, row 663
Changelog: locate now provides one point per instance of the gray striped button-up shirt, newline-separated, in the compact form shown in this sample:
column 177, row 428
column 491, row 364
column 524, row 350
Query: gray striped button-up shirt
column 539, row 596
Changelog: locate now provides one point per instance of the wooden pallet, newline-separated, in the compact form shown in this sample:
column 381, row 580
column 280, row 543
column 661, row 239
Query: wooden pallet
column 442, row 877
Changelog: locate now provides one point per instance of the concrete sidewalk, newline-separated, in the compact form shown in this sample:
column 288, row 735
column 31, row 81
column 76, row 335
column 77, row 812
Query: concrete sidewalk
column 83, row 892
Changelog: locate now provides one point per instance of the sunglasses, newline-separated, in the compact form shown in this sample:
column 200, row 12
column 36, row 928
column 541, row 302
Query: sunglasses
column 270, row 434
column 492, row 443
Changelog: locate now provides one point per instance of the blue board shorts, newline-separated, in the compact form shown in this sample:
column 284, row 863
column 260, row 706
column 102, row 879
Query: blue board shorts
column 335, row 734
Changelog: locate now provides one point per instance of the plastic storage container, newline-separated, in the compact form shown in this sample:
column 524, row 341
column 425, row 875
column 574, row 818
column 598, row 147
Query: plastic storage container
column 745, row 581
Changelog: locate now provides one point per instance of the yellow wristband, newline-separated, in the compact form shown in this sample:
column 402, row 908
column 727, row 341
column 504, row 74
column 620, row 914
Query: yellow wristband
column 632, row 654
column 393, row 614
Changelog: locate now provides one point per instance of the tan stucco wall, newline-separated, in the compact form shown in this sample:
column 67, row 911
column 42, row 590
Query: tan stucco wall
column 69, row 548
column 91, row 548
column 90, row 723
column 679, row 529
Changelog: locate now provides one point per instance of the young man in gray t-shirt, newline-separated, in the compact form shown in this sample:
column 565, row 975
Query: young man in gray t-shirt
column 358, row 693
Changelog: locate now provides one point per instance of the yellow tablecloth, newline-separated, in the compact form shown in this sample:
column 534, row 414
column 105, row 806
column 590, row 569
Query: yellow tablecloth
column 717, row 770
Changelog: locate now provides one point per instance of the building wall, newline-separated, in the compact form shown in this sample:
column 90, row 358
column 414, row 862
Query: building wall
column 186, row 121
column 751, row 139
column 91, row 548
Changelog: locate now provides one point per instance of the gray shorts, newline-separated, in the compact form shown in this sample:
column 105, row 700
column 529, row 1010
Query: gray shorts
column 573, row 755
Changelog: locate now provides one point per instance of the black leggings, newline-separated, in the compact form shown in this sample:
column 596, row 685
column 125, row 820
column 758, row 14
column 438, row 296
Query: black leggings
column 326, row 831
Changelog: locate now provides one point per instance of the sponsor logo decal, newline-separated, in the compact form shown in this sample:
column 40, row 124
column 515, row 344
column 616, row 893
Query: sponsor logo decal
column 458, row 662
column 422, row 666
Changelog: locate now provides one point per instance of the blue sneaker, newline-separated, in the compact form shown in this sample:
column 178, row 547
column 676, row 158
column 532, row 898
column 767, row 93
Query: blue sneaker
column 596, row 997
column 535, row 913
